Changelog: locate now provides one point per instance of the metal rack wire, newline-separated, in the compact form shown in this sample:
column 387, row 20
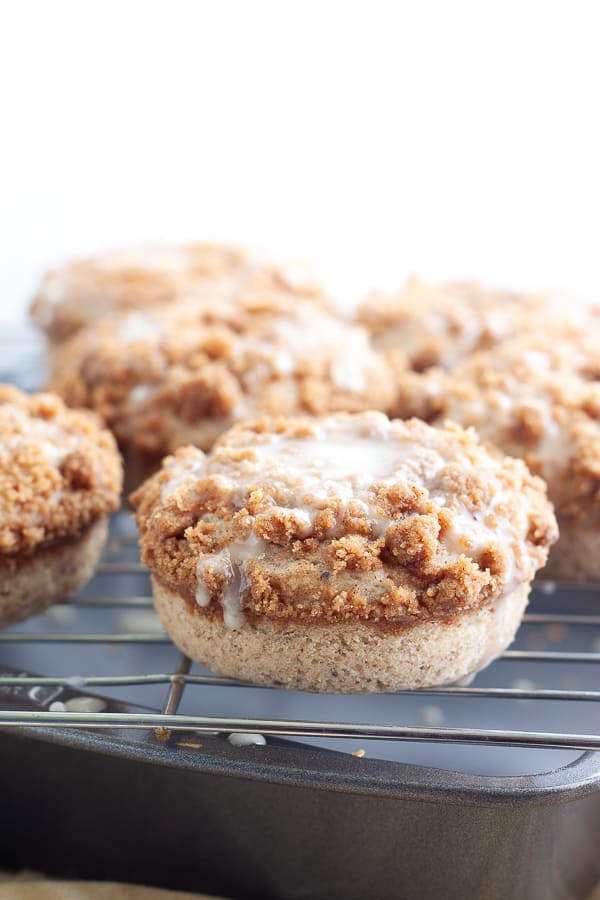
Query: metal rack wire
column 181, row 680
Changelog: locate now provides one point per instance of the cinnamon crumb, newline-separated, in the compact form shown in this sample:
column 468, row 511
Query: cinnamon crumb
column 440, row 526
column 59, row 471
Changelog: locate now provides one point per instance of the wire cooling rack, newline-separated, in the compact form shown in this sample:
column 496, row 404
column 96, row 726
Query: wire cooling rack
column 100, row 660
column 556, row 665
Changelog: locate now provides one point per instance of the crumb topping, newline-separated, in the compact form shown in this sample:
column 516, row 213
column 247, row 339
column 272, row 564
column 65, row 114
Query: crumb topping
column 441, row 324
column 59, row 471
column 85, row 290
column 182, row 375
column 536, row 397
column 348, row 518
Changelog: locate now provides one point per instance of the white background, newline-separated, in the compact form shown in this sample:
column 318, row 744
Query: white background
column 377, row 138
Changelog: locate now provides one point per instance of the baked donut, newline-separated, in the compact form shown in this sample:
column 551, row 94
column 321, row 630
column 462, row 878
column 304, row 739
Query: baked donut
column 538, row 398
column 179, row 375
column 441, row 324
column 85, row 290
column 60, row 477
column 346, row 554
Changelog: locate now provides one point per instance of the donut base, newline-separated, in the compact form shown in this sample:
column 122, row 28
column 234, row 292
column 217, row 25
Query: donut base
column 576, row 556
column 49, row 574
column 355, row 658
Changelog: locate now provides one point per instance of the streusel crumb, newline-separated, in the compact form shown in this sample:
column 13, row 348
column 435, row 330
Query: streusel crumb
column 351, row 518
column 536, row 397
column 184, row 375
column 84, row 291
column 59, row 471
column 441, row 324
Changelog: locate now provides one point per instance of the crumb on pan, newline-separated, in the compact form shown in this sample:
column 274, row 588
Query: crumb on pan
column 246, row 739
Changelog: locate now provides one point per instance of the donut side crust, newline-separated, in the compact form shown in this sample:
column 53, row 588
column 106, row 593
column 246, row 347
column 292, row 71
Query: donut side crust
column 29, row 583
column 342, row 658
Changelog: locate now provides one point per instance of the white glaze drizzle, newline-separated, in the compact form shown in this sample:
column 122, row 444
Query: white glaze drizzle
column 354, row 464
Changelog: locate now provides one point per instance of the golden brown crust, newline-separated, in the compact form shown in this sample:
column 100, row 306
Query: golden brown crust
column 59, row 471
column 184, row 375
column 536, row 397
column 85, row 290
column 282, row 513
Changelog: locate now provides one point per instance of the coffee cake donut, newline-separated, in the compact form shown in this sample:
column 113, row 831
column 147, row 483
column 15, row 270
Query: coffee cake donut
column 60, row 477
column 176, row 376
column 441, row 324
column 85, row 290
column 537, row 398
column 346, row 554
